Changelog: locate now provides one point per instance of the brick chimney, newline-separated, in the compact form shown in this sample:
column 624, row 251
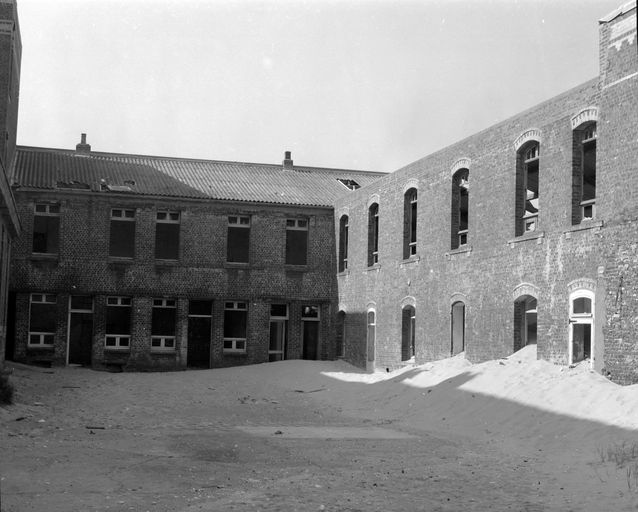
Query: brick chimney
column 287, row 163
column 83, row 147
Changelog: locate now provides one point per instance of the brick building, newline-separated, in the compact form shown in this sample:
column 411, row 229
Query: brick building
column 10, row 59
column 523, row 233
column 147, row 262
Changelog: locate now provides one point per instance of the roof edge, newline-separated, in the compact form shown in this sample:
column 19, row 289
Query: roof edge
column 625, row 8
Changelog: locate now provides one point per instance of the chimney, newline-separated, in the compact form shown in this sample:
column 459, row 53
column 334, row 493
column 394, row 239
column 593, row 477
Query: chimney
column 83, row 147
column 287, row 161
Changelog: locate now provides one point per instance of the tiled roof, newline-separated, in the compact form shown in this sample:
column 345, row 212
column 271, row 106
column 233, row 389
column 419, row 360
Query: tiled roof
column 42, row 168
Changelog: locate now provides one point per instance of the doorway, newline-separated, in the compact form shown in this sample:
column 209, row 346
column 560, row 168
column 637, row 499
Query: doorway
column 278, row 332
column 371, row 339
column 581, row 327
column 310, row 332
column 200, row 322
column 80, row 340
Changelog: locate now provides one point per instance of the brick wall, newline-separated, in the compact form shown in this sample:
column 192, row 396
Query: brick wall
column 496, row 267
column 83, row 267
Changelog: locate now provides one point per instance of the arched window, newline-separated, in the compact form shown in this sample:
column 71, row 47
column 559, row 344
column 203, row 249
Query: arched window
column 373, row 234
column 525, row 321
column 581, row 326
column 371, row 338
column 584, row 173
column 527, row 189
column 460, row 208
column 457, row 328
column 408, row 333
column 343, row 243
column 409, row 223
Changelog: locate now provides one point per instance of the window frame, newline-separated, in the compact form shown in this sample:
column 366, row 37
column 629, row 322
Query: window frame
column 172, row 218
column 237, row 224
column 460, row 186
column 43, row 210
column 164, row 342
column 121, row 341
column 410, row 214
column 46, row 339
column 297, row 224
column 234, row 340
column 528, row 158
column 344, row 226
column 373, row 234
column 122, row 219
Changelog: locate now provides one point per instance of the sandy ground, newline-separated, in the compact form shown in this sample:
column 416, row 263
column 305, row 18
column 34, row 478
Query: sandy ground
column 515, row 434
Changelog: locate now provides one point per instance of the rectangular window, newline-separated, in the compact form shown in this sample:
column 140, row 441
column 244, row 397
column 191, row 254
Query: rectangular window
column 118, row 323
column 238, row 240
column 278, row 332
column 235, row 322
column 163, row 325
column 343, row 243
column 588, row 195
column 46, row 228
column 373, row 235
column 167, row 235
column 42, row 320
column 122, row 235
column 296, row 241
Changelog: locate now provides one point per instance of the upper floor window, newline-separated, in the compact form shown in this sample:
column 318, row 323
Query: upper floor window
column 460, row 208
column 373, row 234
column 163, row 325
column 296, row 241
column 527, row 189
column 409, row 223
column 343, row 243
column 167, row 235
column 46, row 228
column 584, row 173
column 122, row 234
column 238, row 239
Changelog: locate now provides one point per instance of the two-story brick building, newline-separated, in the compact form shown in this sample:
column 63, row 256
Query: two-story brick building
column 146, row 262
column 523, row 233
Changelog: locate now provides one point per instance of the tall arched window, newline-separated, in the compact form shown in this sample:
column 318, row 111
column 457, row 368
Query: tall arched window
column 373, row 234
column 460, row 208
column 525, row 321
column 457, row 328
column 527, row 190
column 371, row 338
column 408, row 324
column 581, row 326
column 343, row 243
column 584, row 173
column 409, row 223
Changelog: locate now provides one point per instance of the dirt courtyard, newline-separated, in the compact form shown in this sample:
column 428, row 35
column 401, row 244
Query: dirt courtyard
column 290, row 436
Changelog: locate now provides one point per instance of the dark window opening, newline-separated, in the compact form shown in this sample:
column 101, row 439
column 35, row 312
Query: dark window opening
column 408, row 349
column 46, row 229
column 527, row 188
column 409, row 223
column 460, row 208
column 118, row 322
column 349, row 184
column 42, row 319
column 235, row 324
column 122, row 234
column 278, row 332
column 167, row 235
column 343, row 243
column 163, row 324
column 584, row 174
column 373, row 234
column 238, row 239
column 296, row 242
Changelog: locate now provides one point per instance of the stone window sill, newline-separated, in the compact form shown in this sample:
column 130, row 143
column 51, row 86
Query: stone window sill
column 114, row 260
column 296, row 268
column 596, row 225
column 464, row 249
column 236, row 264
column 41, row 348
column 346, row 272
column 44, row 257
column 376, row 266
column 412, row 260
column 163, row 352
column 527, row 237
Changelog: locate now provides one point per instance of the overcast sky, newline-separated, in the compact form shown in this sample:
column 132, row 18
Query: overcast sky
column 352, row 84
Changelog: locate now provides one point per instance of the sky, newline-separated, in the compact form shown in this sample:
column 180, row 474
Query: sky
column 371, row 85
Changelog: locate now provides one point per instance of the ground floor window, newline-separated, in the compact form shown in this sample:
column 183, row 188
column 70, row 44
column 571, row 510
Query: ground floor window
column 278, row 332
column 163, row 325
column 235, row 323
column 407, row 333
column 42, row 319
column 118, row 323
column 458, row 328
column 581, row 326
